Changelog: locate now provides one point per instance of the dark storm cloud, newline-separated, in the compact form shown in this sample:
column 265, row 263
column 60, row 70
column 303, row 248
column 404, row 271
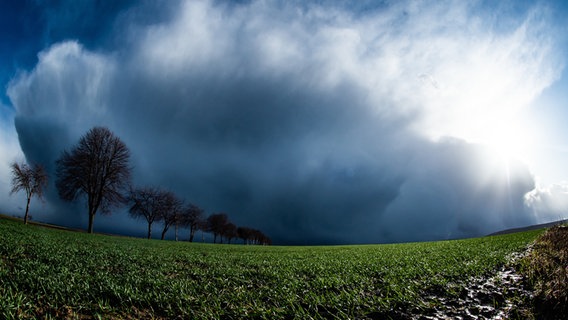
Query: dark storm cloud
column 456, row 189
column 308, row 122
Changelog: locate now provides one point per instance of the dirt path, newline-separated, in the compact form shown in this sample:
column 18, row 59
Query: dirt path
column 495, row 297
column 506, row 295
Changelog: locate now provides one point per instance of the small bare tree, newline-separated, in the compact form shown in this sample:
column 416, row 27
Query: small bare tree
column 96, row 168
column 33, row 180
column 170, row 210
column 192, row 217
column 230, row 231
column 253, row 236
column 215, row 224
column 245, row 233
column 146, row 202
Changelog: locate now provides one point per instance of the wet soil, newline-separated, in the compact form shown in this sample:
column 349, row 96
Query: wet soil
column 494, row 298
column 501, row 296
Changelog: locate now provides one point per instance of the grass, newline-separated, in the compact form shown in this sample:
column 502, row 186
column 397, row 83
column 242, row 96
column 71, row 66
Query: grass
column 546, row 268
column 53, row 273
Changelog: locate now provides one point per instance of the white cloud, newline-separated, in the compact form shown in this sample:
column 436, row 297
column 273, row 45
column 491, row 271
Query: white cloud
column 9, row 152
column 549, row 203
column 68, row 83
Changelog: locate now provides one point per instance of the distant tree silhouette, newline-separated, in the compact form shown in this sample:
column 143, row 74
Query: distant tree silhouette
column 32, row 180
column 229, row 231
column 244, row 233
column 146, row 202
column 170, row 211
column 192, row 217
column 260, row 238
column 264, row 240
column 253, row 236
column 215, row 224
column 97, row 167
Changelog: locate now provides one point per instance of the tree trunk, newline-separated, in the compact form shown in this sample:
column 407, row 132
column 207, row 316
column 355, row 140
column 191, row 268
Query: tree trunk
column 91, row 219
column 149, row 230
column 27, row 210
column 176, row 232
column 191, row 234
column 164, row 233
column 92, row 210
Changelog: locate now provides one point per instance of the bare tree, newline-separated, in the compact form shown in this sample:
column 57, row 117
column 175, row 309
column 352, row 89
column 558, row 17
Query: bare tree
column 229, row 231
column 170, row 210
column 96, row 168
column 260, row 238
column 32, row 180
column 193, row 219
column 146, row 203
column 244, row 233
column 215, row 224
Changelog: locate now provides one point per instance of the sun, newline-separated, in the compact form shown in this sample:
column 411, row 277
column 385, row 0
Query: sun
column 483, row 98
column 506, row 132
column 506, row 140
column 497, row 119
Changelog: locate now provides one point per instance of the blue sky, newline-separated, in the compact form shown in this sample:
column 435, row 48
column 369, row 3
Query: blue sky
column 317, row 122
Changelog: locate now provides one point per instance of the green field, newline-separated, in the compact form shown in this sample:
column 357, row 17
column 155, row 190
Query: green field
column 53, row 273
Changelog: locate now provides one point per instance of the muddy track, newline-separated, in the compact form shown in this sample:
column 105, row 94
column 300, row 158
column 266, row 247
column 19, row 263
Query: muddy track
column 502, row 295
column 495, row 297
column 507, row 293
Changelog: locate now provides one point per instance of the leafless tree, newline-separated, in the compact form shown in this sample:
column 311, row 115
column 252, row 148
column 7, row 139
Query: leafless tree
column 146, row 202
column 32, row 180
column 229, row 231
column 193, row 219
column 253, row 236
column 244, row 233
column 260, row 238
column 170, row 210
column 215, row 224
column 96, row 168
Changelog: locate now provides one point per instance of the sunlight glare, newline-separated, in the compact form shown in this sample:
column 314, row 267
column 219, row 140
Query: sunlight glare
column 487, row 104
column 505, row 140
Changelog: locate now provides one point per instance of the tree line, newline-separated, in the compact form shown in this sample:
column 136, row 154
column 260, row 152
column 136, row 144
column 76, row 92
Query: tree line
column 98, row 169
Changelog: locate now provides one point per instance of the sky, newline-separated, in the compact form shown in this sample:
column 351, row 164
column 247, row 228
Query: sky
column 317, row 122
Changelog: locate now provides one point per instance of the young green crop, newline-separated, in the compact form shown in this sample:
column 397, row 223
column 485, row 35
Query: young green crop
column 46, row 272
